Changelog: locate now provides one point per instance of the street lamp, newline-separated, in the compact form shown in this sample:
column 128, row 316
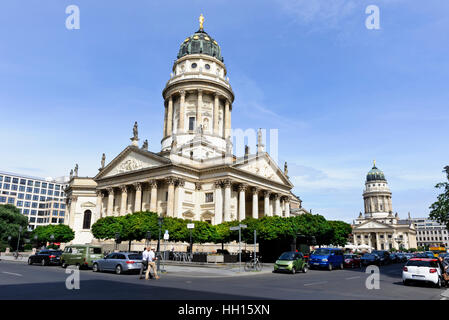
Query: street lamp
column 117, row 240
column 158, row 261
column 35, row 240
column 18, row 240
column 190, row 226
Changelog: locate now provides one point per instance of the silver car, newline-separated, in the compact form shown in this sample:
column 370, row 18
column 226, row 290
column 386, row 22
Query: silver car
column 119, row 262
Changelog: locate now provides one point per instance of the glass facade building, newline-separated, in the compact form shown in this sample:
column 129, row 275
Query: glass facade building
column 43, row 201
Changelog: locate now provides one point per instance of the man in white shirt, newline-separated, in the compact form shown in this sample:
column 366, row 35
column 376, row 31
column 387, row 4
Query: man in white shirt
column 145, row 259
column 151, row 264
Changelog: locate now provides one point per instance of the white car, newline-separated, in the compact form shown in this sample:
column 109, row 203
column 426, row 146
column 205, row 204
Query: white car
column 422, row 269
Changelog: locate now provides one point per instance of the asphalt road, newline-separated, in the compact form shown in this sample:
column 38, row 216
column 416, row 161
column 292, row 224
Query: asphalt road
column 20, row 281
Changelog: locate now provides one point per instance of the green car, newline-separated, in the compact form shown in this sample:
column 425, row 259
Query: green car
column 291, row 262
column 81, row 255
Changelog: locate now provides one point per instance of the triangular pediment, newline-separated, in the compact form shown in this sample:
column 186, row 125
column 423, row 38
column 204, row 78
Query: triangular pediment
column 372, row 224
column 132, row 159
column 263, row 166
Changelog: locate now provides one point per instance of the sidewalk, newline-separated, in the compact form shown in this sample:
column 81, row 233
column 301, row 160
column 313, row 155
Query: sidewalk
column 10, row 257
column 217, row 271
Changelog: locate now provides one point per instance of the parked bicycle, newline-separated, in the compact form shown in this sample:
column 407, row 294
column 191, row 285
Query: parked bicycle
column 253, row 265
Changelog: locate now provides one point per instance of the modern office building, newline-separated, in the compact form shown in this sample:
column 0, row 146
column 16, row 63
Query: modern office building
column 430, row 233
column 42, row 200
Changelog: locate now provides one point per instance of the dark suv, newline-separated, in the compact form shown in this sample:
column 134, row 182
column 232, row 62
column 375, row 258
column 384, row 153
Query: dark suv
column 384, row 256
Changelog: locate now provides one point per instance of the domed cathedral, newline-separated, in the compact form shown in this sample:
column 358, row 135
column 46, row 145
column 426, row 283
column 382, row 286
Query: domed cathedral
column 378, row 228
column 195, row 175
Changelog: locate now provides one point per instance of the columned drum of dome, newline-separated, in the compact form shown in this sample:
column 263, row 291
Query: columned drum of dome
column 377, row 194
column 198, row 99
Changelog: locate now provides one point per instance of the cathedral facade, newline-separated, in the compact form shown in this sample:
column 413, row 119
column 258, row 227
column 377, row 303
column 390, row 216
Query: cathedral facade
column 195, row 175
column 378, row 228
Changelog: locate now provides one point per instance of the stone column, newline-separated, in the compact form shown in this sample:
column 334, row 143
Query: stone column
column 216, row 114
column 170, row 116
column 73, row 200
column 218, row 203
column 138, row 200
column 266, row 199
column 354, row 239
column 369, row 240
column 171, row 195
column 377, row 241
column 277, row 205
column 110, row 209
column 242, row 203
column 153, row 195
column 198, row 200
column 227, row 122
column 199, row 108
column 124, row 200
column 98, row 208
column 227, row 200
column 181, row 127
column 165, row 119
column 180, row 198
column 386, row 241
column 287, row 207
column 255, row 203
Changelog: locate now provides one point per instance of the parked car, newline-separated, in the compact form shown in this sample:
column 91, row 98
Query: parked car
column 401, row 257
column 292, row 262
column 327, row 258
column 351, row 261
column 409, row 256
column 393, row 258
column 384, row 256
column 422, row 269
column 370, row 258
column 120, row 262
column 81, row 255
column 46, row 257
column 430, row 254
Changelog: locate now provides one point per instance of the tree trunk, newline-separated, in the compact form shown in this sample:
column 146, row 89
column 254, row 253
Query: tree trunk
column 222, row 246
column 129, row 245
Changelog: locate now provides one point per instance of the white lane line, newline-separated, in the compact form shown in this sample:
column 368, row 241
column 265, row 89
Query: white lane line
column 12, row 273
column 350, row 278
column 314, row 283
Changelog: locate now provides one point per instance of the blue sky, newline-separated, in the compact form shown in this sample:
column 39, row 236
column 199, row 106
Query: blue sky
column 341, row 95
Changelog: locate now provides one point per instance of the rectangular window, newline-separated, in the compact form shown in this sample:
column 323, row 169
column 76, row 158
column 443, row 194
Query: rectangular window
column 51, row 186
column 54, row 220
column 42, row 199
column 7, row 179
column 23, row 181
column 1, row 178
column 14, row 187
column 20, row 196
column 191, row 123
column 43, row 191
column 44, row 185
column 209, row 197
column 36, row 190
column 61, row 213
column 37, row 184
column 55, row 205
column 15, row 180
column 22, row 188
column 57, row 187
column 34, row 205
column 11, row 200
column 61, row 220
column 50, row 192
column 62, row 205
column 27, row 204
column 19, row 203
column 57, row 193
column 28, row 197
column 2, row 199
column 26, row 211
column 30, row 183
column 6, row 186
column 32, row 219
column 55, row 212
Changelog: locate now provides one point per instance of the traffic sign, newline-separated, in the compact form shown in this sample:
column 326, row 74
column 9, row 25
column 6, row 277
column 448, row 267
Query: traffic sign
column 234, row 228
column 166, row 235
column 190, row 226
column 243, row 226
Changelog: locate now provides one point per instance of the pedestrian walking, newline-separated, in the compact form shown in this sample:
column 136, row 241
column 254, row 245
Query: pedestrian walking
column 151, row 264
column 444, row 269
column 145, row 259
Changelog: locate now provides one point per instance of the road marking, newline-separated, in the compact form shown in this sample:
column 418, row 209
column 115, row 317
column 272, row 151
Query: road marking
column 350, row 278
column 12, row 273
column 314, row 283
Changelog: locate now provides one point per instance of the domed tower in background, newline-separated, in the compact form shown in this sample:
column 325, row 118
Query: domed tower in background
column 377, row 195
column 198, row 100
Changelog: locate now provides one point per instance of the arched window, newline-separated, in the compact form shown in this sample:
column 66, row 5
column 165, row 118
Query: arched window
column 87, row 219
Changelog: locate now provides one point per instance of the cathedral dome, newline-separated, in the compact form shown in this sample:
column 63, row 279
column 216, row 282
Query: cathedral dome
column 200, row 43
column 375, row 174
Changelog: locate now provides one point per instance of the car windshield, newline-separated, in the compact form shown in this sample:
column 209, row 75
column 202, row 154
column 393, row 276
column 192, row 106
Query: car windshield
column 287, row 256
column 135, row 256
column 321, row 252
column 55, row 253
column 369, row 255
column 421, row 263
column 379, row 253
column 349, row 256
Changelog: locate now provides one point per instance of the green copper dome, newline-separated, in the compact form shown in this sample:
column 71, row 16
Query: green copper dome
column 375, row 174
column 200, row 42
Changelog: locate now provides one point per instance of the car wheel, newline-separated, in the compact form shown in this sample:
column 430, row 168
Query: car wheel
column 293, row 270
column 405, row 282
column 305, row 269
column 43, row 263
column 63, row 264
column 329, row 267
column 29, row 261
column 95, row 268
column 438, row 284
column 118, row 269
column 341, row 266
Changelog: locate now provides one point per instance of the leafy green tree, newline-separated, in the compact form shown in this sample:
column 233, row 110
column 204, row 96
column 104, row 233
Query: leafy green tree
column 341, row 232
column 440, row 208
column 106, row 228
column 60, row 232
column 10, row 222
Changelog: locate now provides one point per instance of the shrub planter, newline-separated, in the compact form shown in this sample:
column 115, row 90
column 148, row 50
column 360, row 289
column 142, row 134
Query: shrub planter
column 215, row 258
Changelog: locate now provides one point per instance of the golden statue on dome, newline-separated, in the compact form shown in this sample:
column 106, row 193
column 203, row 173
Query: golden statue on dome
column 201, row 20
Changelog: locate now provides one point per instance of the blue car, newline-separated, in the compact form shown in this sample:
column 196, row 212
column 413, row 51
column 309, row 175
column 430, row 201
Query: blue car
column 328, row 258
